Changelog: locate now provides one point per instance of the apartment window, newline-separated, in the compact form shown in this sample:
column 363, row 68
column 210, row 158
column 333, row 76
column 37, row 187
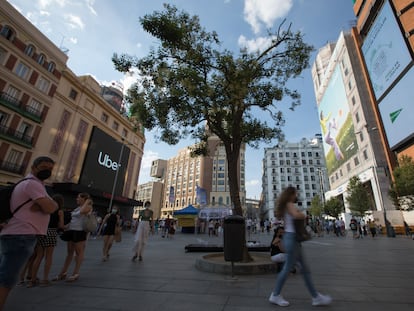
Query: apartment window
column 3, row 118
column 3, row 54
column 305, row 169
column 304, row 162
column 29, row 50
column 124, row 133
column 302, row 154
column 357, row 117
column 13, row 92
column 43, row 84
column 34, row 106
column 280, row 154
column 311, row 162
column 361, row 136
column 350, row 85
column 220, row 175
column 288, row 170
column 309, row 154
column 104, row 117
column 281, row 162
column 41, row 59
column 348, row 167
column 115, row 126
column 24, row 130
column 7, row 32
column 353, row 100
column 14, row 157
column 73, row 94
column 346, row 71
column 22, row 70
column 51, row 67
column 287, row 154
column 287, row 162
column 356, row 161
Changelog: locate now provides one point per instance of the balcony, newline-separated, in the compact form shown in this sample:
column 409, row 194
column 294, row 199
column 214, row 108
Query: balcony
column 16, row 137
column 12, row 167
column 17, row 106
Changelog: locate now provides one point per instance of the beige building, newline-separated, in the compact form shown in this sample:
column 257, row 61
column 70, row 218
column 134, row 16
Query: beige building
column 45, row 109
column 200, row 181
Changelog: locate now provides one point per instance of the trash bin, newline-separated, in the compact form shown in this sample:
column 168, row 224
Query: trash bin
column 234, row 238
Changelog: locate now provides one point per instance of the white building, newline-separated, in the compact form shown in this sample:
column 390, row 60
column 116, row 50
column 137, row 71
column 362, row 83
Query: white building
column 301, row 165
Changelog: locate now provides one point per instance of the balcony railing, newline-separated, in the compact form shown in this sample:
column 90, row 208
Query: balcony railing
column 16, row 105
column 15, row 136
column 12, row 167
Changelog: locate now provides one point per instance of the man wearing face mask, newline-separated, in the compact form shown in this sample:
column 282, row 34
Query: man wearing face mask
column 18, row 237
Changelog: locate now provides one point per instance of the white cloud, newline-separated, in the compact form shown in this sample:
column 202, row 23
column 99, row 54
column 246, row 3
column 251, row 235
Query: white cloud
column 253, row 182
column 74, row 21
column 44, row 13
column 258, row 44
column 89, row 5
column 46, row 3
column 258, row 12
column 73, row 40
column 148, row 157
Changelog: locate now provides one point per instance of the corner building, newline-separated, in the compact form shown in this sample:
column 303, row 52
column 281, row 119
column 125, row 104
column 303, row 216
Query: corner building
column 352, row 138
column 45, row 109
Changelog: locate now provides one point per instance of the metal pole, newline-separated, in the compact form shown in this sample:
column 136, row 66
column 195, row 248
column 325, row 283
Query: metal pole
column 116, row 176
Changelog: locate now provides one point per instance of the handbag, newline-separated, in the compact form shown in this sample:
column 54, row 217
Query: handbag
column 65, row 236
column 301, row 233
column 118, row 234
column 89, row 223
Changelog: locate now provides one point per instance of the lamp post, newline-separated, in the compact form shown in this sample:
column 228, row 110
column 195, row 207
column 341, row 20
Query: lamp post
column 116, row 175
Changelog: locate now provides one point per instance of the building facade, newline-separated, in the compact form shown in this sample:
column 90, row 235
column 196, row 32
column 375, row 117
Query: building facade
column 352, row 138
column 151, row 195
column 386, row 32
column 45, row 109
column 301, row 165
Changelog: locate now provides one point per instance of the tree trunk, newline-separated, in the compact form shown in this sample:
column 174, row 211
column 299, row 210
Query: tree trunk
column 234, row 178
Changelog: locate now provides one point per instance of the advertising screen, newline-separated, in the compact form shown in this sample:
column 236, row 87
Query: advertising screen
column 385, row 51
column 339, row 140
column 397, row 110
column 102, row 162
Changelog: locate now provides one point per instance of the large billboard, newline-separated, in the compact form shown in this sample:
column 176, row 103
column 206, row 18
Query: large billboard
column 339, row 140
column 385, row 51
column 397, row 111
column 102, row 161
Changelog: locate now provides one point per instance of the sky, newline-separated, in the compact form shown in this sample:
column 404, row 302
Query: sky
column 92, row 30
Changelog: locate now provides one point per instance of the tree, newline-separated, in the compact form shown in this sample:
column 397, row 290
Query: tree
column 317, row 207
column 333, row 207
column 358, row 198
column 402, row 189
column 190, row 86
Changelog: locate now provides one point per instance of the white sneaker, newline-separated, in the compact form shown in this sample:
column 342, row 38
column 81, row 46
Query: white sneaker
column 278, row 300
column 321, row 300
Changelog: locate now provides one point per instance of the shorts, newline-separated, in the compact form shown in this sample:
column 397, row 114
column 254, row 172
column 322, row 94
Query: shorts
column 49, row 240
column 76, row 235
column 15, row 251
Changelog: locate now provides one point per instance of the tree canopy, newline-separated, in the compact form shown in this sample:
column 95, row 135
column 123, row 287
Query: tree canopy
column 333, row 207
column 402, row 189
column 358, row 198
column 189, row 86
column 317, row 207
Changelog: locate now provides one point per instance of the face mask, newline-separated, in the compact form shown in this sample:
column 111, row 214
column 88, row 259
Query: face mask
column 44, row 174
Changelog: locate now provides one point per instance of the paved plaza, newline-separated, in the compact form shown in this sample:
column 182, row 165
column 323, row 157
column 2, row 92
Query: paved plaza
column 362, row 274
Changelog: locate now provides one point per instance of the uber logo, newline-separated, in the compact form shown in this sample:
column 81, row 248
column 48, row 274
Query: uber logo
column 107, row 162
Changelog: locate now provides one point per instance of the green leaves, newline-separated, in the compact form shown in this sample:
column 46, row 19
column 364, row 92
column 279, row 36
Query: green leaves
column 358, row 198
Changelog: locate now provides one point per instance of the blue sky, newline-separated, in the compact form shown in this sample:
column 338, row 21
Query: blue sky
column 93, row 30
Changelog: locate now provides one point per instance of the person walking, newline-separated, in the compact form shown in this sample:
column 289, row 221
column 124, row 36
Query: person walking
column 46, row 245
column 109, row 224
column 76, row 237
column 286, row 210
column 141, row 236
column 19, row 236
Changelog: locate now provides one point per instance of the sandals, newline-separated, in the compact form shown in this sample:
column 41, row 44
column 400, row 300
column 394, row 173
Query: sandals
column 60, row 277
column 73, row 278
column 44, row 283
column 32, row 283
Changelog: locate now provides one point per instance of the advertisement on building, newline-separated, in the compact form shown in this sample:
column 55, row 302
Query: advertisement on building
column 102, row 161
column 385, row 51
column 397, row 111
column 339, row 140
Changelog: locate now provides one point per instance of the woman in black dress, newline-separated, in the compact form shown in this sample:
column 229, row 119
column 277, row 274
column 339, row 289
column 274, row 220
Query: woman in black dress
column 109, row 223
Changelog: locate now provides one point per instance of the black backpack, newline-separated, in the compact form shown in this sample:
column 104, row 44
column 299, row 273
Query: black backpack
column 5, row 196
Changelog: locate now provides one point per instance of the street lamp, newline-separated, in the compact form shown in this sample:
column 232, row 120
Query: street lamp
column 116, row 175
